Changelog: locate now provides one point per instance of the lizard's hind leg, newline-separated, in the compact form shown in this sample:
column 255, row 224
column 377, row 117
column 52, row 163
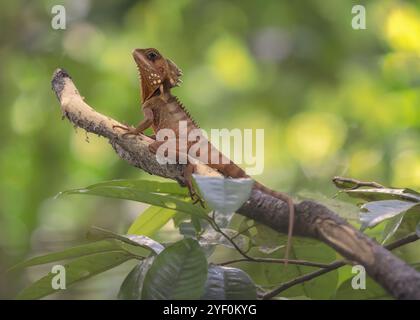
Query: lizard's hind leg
column 188, row 171
column 190, row 168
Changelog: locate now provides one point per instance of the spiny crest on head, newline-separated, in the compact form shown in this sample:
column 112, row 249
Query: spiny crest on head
column 174, row 73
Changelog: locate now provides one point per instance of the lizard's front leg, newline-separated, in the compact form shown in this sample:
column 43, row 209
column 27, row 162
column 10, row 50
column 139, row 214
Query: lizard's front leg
column 143, row 125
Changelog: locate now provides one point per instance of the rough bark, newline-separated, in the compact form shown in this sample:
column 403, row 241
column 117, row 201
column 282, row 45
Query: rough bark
column 311, row 219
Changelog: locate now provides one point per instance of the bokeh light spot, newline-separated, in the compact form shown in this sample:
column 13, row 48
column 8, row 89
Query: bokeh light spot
column 231, row 63
column 403, row 29
column 312, row 137
column 407, row 169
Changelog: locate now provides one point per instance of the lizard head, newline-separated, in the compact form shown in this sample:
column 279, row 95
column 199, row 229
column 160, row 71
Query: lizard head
column 155, row 71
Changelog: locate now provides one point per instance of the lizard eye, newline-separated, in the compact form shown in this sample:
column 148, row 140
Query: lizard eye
column 152, row 55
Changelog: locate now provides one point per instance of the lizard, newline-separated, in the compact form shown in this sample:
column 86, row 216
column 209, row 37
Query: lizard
column 162, row 110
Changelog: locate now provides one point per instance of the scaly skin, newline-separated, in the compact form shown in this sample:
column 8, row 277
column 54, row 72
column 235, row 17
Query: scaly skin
column 162, row 110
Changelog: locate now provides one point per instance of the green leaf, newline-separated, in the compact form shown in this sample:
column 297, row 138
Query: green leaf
column 133, row 284
column 146, row 241
column 408, row 224
column 187, row 229
column 142, row 185
column 147, row 193
column 132, row 240
column 373, row 291
column 212, row 238
column 224, row 283
column 391, row 227
column 150, row 221
column 178, row 272
column 196, row 222
column 378, row 211
column 74, row 252
column 179, row 218
column 268, row 241
column 377, row 194
column 224, row 195
column 77, row 270
column 346, row 210
column 322, row 287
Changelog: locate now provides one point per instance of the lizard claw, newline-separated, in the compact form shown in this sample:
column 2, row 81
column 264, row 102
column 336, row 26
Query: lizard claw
column 130, row 130
column 197, row 199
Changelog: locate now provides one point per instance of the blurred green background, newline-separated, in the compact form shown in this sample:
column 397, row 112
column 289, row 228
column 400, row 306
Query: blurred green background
column 332, row 101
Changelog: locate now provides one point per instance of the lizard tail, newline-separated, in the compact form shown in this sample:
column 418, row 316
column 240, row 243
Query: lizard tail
column 234, row 171
column 286, row 198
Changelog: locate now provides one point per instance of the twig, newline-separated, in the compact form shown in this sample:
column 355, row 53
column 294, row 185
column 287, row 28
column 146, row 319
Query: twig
column 243, row 231
column 216, row 227
column 400, row 242
column 332, row 266
column 351, row 184
column 281, row 261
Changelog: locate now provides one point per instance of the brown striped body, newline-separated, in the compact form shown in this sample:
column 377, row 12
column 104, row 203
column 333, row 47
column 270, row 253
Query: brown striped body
column 168, row 112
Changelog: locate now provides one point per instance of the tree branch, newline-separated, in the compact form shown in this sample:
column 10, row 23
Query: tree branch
column 311, row 219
